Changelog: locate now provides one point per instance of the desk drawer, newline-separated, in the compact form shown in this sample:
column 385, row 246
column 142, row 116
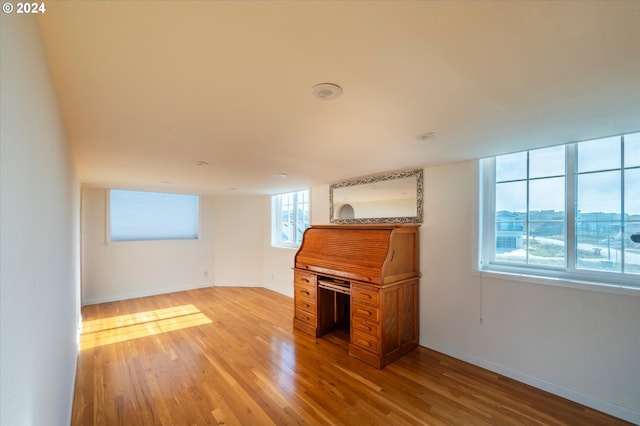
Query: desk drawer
column 306, row 304
column 365, row 312
column 365, row 341
column 364, row 326
column 305, row 278
column 364, row 295
column 305, row 292
column 306, row 317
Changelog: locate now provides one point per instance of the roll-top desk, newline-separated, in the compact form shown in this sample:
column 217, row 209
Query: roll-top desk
column 363, row 276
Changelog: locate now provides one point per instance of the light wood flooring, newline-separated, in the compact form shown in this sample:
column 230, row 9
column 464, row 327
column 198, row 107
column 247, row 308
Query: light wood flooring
column 230, row 356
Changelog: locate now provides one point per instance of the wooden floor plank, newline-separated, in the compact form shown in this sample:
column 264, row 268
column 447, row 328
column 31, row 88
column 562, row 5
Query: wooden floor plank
column 230, row 356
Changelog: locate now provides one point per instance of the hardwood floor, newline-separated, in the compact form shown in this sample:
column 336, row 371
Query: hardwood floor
column 230, row 356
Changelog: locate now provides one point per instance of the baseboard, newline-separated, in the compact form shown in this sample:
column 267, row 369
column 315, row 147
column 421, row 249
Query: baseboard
column 135, row 295
column 237, row 284
column 586, row 400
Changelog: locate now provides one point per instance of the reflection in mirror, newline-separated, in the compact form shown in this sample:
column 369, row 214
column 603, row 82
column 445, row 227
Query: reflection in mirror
column 346, row 212
column 389, row 198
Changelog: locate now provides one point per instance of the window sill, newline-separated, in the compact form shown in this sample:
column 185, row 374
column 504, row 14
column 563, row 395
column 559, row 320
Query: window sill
column 565, row 282
column 282, row 246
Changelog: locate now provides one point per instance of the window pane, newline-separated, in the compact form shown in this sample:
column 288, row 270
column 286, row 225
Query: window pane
column 509, row 247
column 598, row 222
column 511, row 167
column 511, row 208
column 632, row 150
column 547, row 195
column 546, row 244
column 599, row 193
column 287, row 228
column 511, row 197
column 510, row 238
column 598, row 244
column 546, row 222
column 600, row 154
column 546, row 162
column 136, row 215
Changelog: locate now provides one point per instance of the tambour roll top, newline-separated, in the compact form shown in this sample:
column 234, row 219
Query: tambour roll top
column 376, row 254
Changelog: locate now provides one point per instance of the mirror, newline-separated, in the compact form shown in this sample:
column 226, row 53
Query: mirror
column 388, row 198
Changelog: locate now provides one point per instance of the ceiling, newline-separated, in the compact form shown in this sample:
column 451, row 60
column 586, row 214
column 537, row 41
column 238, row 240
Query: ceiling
column 148, row 88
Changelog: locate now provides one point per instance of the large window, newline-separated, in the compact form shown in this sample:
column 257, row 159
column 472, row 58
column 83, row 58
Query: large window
column 135, row 215
column 569, row 211
column 290, row 217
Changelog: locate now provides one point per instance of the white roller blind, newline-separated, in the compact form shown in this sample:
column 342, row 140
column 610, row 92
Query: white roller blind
column 136, row 215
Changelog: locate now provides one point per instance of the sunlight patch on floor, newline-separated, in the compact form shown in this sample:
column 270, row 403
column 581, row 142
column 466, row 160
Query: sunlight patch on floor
column 140, row 324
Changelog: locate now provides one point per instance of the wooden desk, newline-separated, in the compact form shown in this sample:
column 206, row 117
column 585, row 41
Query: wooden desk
column 363, row 276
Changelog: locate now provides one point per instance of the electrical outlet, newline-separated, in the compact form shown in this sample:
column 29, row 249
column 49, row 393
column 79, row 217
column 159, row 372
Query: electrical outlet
column 206, row 273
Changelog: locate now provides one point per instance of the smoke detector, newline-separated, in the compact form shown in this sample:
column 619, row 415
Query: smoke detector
column 326, row 91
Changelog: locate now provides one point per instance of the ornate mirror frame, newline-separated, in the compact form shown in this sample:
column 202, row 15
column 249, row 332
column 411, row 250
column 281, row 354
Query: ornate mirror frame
column 418, row 218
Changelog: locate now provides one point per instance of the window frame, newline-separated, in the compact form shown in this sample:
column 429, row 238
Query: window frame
column 108, row 234
column 276, row 218
column 567, row 276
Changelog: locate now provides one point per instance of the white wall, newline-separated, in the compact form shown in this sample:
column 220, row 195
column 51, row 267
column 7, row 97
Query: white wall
column 229, row 252
column 39, row 248
column 583, row 345
column 238, row 232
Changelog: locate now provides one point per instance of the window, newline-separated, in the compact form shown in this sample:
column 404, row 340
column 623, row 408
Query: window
column 569, row 211
column 135, row 215
column 290, row 217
